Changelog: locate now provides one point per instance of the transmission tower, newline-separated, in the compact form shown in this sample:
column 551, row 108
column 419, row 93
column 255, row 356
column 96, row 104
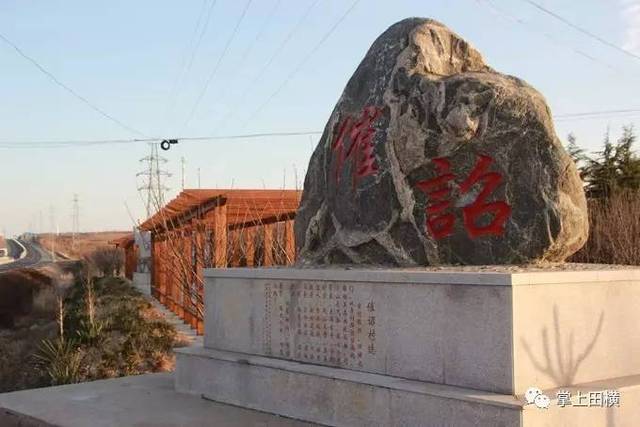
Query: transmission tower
column 75, row 220
column 182, row 164
column 53, row 231
column 154, row 180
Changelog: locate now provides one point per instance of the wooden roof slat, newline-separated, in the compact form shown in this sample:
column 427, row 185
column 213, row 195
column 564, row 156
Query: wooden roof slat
column 244, row 206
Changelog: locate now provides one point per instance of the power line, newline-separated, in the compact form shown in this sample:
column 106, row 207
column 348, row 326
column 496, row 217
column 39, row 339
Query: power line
column 194, row 44
column 302, row 63
column 72, row 143
column 61, row 143
column 205, row 27
column 530, row 27
column 248, row 50
column 270, row 61
column 603, row 117
column 55, row 80
column 596, row 113
column 580, row 29
column 260, row 33
column 217, row 66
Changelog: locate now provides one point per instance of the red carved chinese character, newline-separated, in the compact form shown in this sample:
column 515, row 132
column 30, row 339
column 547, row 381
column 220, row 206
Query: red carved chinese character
column 440, row 222
column 500, row 209
column 361, row 134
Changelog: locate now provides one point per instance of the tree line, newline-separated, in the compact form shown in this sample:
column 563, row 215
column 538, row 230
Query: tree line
column 611, row 170
column 612, row 183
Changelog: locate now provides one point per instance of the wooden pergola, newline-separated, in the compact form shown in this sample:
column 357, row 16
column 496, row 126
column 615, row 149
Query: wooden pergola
column 203, row 228
column 128, row 244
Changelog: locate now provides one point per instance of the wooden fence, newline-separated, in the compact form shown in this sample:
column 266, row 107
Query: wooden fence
column 216, row 229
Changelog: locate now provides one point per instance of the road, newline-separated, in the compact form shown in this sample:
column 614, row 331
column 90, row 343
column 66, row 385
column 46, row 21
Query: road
column 35, row 256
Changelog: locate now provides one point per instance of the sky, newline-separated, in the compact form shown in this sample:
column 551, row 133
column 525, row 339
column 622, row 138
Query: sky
column 147, row 63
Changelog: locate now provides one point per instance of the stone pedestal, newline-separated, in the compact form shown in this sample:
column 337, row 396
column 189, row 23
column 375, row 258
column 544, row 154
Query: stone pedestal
column 417, row 347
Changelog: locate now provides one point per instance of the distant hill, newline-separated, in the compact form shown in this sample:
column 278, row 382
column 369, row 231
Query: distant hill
column 85, row 243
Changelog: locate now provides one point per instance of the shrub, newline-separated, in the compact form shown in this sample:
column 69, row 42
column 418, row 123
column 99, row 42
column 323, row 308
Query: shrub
column 122, row 338
column 109, row 330
column 61, row 360
column 18, row 289
column 612, row 184
column 18, row 369
column 108, row 261
column 614, row 236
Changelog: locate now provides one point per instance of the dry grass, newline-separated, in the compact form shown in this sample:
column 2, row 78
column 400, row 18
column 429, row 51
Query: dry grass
column 123, row 336
column 27, row 316
column 614, row 236
column 108, row 261
column 109, row 329
column 17, row 345
column 19, row 290
column 85, row 243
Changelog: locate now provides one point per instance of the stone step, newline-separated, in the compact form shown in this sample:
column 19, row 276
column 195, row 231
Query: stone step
column 342, row 397
column 334, row 396
column 173, row 319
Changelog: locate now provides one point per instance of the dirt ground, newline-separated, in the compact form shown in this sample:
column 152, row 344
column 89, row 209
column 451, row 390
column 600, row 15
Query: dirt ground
column 85, row 243
column 126, row 336
column 27, row 316
column 18, row 289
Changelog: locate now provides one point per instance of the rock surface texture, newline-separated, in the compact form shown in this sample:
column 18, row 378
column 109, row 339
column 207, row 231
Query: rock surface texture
column 431, row 157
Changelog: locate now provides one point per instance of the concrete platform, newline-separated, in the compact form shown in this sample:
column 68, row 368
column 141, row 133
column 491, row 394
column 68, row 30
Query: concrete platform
column 451, row 346
column 336, row 397
column 341, row 397
column 141, row 401
column 496, row 329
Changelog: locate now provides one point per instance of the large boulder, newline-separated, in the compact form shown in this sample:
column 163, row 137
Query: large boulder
column 431, row 157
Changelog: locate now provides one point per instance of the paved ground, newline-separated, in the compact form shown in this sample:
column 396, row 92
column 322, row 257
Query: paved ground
column 13, row 252
column 34, row 258
column 142, row 401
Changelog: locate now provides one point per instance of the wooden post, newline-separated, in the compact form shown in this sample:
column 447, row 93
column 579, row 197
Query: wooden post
column 289, row 242
column 173, row 274
column 199, row 242
column 185, row 288
column 250, row 245
column 200, row 327
column 154, row 266
column 177, row 278
column 164, row 277
column 268, row 245
column 162, row 266
column 236, row 247
column 199, row 269
column 220, row 237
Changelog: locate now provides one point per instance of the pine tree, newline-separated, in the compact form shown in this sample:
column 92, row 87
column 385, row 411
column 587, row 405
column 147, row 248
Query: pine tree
column 577, row 154
column 628, row 161
column 614, row 169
